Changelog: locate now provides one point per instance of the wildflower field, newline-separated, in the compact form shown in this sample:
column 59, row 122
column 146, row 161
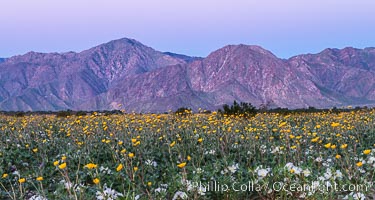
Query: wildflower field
column 321, row 155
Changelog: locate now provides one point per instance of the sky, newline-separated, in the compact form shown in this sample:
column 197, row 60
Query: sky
column 191, row 27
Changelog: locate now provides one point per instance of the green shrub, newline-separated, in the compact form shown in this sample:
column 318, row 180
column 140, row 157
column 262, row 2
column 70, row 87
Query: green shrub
column 243, row 109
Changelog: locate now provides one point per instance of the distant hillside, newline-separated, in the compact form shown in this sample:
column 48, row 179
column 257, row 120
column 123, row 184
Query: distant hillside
column 127, row 74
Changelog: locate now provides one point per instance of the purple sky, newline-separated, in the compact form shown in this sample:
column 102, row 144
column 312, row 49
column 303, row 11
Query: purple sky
column 194, row 27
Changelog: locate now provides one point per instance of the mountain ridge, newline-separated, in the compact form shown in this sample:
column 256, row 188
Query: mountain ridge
column 125, row 72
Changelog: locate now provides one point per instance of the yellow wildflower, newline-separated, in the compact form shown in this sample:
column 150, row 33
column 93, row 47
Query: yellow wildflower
column 62, row 166
column 172, row 144
column 137, row 143
column 367, row 151
column 282, row 124
column 181, row 165
column 343, row 146
column 21, row 180
column 131, row 155
column 119, row 167
column 315, row 139
column 96, row 180
column 91, row 166
column 328, row 145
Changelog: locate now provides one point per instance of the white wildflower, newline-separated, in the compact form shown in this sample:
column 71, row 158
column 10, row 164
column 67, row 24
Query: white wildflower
column 327, row 174
column 355, row 196
column 319, row 159
column 297, row 170
column 201, row 190
column 105, row 170
column 263, row 148
column 371, row 160
column 315, row 185
column 224, row 171
column 338, row 174
column 306, row 172
column 162, row 188
column 263, row 172
column 67, row 185
column 275, row 150
column 321, row 178
column 188, row 184
column 211, row 152
column 180, row 195
column 108, row 194
column 289, row 166
column 17, row 173
column 362, row 170
column 151, row 163
column 233, row 168
column 37, row 197
column 198, row 171
column 303, row 195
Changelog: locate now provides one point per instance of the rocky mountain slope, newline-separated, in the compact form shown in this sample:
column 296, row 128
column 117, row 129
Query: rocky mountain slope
column 125, row 74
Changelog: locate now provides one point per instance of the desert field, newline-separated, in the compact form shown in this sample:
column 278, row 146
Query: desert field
column 322, row 155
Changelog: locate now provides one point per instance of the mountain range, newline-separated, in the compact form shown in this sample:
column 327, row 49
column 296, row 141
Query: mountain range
column 125, row 74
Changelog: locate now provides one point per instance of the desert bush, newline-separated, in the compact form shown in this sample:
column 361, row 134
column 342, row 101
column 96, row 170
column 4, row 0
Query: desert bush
column 243, row 109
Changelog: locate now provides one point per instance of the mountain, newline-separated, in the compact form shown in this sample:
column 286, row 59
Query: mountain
column 127, row 74
column 184, row 57
column 2, row 60
column 347, row 74
column 253, row 74
column 53, row 81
